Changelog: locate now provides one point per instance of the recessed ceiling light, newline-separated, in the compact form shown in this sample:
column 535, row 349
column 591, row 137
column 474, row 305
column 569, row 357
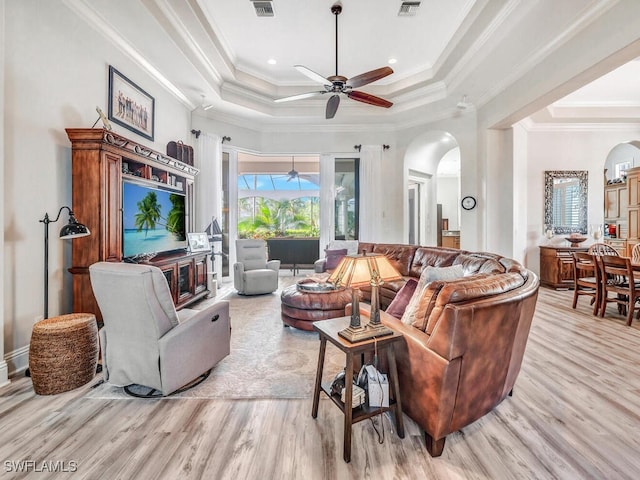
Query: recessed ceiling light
column 392, row 61
column 272, row 61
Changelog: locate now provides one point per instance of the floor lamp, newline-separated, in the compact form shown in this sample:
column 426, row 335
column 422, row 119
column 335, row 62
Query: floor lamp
column 71, row 230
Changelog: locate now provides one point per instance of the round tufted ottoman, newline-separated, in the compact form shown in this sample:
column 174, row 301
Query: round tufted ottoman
column 63, row 353
column 301, row 309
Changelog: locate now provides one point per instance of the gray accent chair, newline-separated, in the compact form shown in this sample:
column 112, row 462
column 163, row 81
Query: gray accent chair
column 252, row 273
column 144, row 340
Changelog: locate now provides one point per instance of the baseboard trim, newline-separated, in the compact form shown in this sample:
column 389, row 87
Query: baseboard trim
column 17, row 361
column 4, row 374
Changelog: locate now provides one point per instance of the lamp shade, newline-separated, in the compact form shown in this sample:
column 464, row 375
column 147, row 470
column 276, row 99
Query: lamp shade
column 360, row 270
column 74, row 229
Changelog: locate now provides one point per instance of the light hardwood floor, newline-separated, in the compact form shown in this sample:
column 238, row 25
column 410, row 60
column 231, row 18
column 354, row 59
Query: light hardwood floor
column 575, row 413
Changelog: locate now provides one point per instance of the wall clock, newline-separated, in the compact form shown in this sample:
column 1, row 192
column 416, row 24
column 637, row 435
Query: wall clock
column 468, row 202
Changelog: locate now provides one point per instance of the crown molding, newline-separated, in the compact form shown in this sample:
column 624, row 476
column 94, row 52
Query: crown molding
column 530, row 126
column 84, row 9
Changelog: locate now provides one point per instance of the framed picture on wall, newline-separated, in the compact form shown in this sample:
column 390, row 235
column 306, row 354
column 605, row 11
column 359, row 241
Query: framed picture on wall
column 130, row 106
column 198, row 242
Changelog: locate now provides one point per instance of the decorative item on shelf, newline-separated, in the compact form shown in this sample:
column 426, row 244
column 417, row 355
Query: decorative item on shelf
column 180, row 151
column 596, row 231
column 198, row 242
column 356, row 271
column 141, row 257
column 548, row 231
column 576, row 239
column 101, row 116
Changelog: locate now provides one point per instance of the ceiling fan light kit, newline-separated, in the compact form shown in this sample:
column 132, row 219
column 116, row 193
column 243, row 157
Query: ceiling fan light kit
column 338, row 84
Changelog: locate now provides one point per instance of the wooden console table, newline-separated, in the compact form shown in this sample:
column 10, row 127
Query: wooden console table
column 328, row 330
column 556, row 266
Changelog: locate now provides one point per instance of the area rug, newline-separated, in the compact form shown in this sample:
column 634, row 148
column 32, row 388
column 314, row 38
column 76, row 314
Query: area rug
column 267, row 360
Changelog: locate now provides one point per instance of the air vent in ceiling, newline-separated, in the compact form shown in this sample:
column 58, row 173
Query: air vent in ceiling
column 408, row 9
column 263, row 8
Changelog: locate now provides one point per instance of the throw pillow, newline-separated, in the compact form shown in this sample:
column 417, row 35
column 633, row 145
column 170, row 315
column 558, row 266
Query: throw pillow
column 443, row 273
column 333, row 258
column 425, row 305
column 410, row 312
column 428, row 275
column 399, row 303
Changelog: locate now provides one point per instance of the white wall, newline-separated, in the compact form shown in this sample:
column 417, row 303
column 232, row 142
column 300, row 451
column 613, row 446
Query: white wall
column 578, row 149
column 56, row 72
column 4, row 372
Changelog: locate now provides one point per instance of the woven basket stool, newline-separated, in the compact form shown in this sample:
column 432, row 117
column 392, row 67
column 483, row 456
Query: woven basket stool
column 63, row 353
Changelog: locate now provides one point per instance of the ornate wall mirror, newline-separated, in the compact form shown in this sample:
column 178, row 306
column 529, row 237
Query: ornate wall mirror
column 565, row 200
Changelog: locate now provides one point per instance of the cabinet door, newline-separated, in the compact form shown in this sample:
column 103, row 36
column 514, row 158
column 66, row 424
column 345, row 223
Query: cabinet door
column 633, row 223
column 611, row 203
column 565, row 261
column 186, row 286
column 632, row 185
column 171, row 274
column 112, row 204
column 201, row 274
column 623, row 201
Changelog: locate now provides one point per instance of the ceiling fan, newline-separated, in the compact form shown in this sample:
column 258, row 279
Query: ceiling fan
column 293, row 173
column 337, row 84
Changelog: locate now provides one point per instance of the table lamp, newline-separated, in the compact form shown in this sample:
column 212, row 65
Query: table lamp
column 355, row 271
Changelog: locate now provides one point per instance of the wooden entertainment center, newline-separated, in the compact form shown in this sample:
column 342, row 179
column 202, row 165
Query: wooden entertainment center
column 101, row 160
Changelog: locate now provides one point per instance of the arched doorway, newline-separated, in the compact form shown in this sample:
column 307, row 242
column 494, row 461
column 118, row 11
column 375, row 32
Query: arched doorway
column 423, row 220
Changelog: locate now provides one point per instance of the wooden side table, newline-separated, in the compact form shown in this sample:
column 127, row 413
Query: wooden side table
column 328, row 330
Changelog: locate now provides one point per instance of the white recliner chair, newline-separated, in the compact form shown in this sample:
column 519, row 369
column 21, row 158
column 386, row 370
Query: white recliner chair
column 253, row 274
column 144, row 341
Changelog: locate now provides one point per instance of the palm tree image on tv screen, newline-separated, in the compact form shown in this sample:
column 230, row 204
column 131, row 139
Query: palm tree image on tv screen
column 153, row 220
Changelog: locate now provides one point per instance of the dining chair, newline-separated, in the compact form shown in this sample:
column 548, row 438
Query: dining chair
column 635, row 254
column 598, row 250
column 586, row 280
column 620, row 281
column 602, row 249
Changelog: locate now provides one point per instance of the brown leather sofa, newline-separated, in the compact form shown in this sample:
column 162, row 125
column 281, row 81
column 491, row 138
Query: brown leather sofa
column 465, row 357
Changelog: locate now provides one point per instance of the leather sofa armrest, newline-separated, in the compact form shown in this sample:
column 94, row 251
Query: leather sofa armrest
column 273, row 265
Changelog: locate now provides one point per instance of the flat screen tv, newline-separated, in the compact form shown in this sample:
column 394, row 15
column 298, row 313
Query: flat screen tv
column 153, row 220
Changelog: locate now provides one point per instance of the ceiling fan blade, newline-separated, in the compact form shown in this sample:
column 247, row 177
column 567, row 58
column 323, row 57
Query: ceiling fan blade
column 332, row 106
column 299, row 97
column 313, row 75
column 369, row 77
column 370, row 99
